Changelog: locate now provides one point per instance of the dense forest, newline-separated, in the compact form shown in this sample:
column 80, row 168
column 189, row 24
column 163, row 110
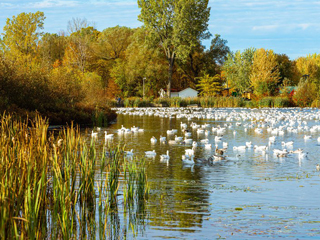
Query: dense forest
column 80, row 72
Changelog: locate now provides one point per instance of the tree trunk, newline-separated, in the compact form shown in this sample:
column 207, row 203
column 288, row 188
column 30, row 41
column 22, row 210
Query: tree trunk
column 169, row 80
column 170, row 72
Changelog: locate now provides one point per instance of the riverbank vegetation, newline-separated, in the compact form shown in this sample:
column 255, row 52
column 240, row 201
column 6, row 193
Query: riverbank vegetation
column 76, row 75
column 57, row 186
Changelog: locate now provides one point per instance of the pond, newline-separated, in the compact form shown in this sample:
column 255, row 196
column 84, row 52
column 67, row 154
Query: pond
column 265, row 190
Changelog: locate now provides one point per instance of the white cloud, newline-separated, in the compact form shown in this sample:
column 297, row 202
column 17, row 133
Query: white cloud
column 53, row 3
column 265, row 28
column 304, row 26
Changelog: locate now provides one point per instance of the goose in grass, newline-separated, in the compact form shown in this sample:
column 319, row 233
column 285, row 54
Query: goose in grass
column 153, row 140
column 150, row 153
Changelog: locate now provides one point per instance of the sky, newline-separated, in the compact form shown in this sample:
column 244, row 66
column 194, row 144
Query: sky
column 290, row 27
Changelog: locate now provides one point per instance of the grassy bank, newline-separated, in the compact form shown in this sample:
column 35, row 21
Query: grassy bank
column 57, row 186
column 207, row 102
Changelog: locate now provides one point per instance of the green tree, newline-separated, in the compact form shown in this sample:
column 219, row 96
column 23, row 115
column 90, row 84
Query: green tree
column 204, row 61
column 265, row 74
column 176, row 26
column 21, row 35
column 141, row 61
column 237, row 69
column 210, row 86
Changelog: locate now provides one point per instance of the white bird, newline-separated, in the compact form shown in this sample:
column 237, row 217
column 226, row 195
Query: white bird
column 249, row 144
column 189, row 152
column 260, row 148
column 194, row 144
column 307, row 137
column 178, row 139
column 287, row 143
column 318, row 167
column 165, row 157
column 129, row 153
column 108, row 136
column 150, row 153
column 162, row 139
column 225, row 144
column 94, row 134
column 204, row 141
column 188, row 160
column 188, row 141
column 239, row 148
column 207, row 146
column 153, row 140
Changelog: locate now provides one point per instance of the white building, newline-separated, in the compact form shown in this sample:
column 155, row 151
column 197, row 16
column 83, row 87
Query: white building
column 185, row 93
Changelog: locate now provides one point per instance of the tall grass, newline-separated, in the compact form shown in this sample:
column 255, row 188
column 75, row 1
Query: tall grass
column 48, row 186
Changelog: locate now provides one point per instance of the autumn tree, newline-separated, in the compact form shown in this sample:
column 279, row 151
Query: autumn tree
column 265, row 73
column 210, row 86
column 176, row 26
column 51, row 48
column 143, row 65
column 79, row 48
column 21, row 35
column 237, row 69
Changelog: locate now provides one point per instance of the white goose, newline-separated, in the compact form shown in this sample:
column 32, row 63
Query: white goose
column 153, row 140
column 150, row 153
column 165, row 157
column 108, row 136
column 187, row 160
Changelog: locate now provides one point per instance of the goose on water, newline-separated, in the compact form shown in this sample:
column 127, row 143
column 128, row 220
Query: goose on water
column 188, row 160
column 150, row 153
column 165, row 157
column 153, row 140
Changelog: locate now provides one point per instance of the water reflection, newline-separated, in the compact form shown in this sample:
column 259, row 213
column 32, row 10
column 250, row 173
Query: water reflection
column 203, row 198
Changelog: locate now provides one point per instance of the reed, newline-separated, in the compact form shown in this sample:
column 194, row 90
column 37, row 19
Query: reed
column 48, row 182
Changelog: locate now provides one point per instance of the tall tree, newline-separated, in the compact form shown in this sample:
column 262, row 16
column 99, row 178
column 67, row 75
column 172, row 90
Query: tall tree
column 176, row 26
column 21, row 34
column 265, row 73
column 237, row 69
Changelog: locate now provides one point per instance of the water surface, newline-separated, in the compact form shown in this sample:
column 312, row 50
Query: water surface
column 251, row 195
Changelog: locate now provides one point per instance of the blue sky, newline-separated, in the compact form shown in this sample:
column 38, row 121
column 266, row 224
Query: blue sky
column 291, row 27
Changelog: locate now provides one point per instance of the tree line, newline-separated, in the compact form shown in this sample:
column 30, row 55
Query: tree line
column 83, row 67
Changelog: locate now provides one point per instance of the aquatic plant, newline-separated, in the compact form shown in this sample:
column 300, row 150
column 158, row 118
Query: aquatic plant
column 48, row 182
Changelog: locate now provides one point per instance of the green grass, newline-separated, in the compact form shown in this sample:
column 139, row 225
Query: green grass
column 48, row 186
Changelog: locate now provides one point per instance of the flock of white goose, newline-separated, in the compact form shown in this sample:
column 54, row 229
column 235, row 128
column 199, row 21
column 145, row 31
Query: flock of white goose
column 272, row 124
